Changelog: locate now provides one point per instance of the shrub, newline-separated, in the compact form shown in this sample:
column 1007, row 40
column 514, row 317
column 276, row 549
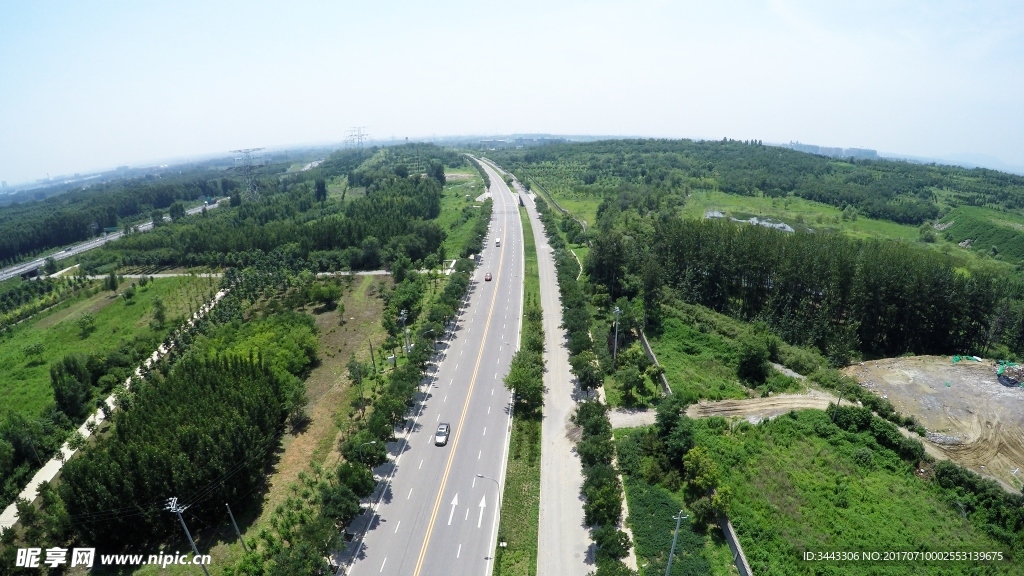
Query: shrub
column 754, row 355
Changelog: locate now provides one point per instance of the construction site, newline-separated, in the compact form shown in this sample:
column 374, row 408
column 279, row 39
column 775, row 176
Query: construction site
column 972, row 409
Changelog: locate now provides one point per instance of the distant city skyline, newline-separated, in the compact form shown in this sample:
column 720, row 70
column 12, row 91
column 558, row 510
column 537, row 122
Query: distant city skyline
column 94, row 85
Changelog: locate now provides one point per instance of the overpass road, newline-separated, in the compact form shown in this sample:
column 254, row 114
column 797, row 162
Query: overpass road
column 31, row 265
column 436, row 516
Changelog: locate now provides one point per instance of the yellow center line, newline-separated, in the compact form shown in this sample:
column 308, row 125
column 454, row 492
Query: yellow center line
column 465, row 409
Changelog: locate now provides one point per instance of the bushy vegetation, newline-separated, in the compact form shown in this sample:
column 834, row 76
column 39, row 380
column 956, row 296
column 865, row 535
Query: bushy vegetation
column 526, row 371
column 483, row 173
column 802, row 482
column 844, row 295
column 391, row 218
column 207, row 422
column 28, row 228
column 885, row 189
column 520, row 505
column 59, row 365
column 990, row 232
column 20, row 299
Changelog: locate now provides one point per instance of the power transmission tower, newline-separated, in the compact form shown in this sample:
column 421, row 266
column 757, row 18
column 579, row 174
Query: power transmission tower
column 251, row 188
column 172, row 506
column 358, row 135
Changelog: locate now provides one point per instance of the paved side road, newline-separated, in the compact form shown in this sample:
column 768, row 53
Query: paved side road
column 17, row 269
column 564, row 546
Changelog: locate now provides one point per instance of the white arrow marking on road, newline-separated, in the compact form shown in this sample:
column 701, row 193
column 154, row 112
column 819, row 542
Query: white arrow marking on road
column 455, row 502
column 483, row 504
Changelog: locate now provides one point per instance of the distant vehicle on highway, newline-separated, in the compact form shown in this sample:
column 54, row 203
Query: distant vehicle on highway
column 441, row 436
column 487, row 277
column 497, row 242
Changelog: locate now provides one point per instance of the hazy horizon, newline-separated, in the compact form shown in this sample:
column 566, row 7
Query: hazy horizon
column 92, row 86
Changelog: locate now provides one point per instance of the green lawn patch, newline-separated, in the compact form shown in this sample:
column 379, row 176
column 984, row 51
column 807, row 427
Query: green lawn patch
column 699, row 351
column 531, row 280
column 456, row 217
column 26, row 382
column 986, row 228
column 520, row 505
column 800, row 485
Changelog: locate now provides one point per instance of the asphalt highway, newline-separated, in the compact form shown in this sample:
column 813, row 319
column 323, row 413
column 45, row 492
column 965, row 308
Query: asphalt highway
column 18, row 269
column 437, row 517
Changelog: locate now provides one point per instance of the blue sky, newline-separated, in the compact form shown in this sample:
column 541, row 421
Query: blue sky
column 88, row 85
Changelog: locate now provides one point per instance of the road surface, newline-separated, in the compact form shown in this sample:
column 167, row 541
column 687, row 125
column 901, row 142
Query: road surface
column 436, row 517
column 24, row 267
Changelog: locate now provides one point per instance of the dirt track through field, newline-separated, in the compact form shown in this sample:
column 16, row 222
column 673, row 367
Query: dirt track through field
column 971, row 418
column 757, row 409
column 753, row 410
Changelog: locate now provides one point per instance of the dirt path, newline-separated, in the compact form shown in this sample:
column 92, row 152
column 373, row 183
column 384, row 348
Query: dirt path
column 758, row 409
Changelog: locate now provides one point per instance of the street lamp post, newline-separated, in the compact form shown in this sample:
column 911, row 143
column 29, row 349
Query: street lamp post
column 361, row 450
column 615, row 346
column 678, row 518
column 496, row 484
column 401, row 318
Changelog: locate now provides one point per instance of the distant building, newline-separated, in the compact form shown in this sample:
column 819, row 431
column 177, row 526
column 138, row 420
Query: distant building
column 860, row 153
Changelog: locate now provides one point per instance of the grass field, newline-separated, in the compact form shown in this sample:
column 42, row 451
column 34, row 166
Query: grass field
column 986, row 228
column 795, row 491
column 531, row 279
column 26, row 382
column 456, row 211
column 698, row 348
column 697, row 361
column 520, row 505
column 1006, row 230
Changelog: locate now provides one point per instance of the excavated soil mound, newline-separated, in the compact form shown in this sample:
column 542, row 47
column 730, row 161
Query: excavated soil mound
column 970, row 416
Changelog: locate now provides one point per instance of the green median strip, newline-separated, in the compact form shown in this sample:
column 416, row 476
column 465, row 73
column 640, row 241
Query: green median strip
column 520, row 504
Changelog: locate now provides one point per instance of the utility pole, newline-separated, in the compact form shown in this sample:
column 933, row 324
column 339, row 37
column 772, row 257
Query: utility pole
column 235, row 524
column 678, row 518
column 837, row 405
column 172, row 506
column 401, row 318
column 372, row 358
column 615, row 346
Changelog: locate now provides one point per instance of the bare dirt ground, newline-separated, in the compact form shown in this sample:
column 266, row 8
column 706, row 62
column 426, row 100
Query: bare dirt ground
column 971, row 418
column 756, row 409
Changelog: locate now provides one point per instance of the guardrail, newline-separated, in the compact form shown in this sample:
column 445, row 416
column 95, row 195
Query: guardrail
column 734, row 544
column 665, row 390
